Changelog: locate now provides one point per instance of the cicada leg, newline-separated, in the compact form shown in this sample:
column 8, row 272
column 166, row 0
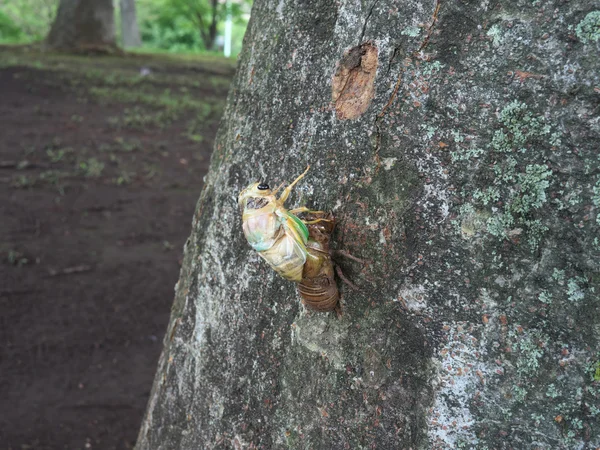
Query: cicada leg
column 309, row 222
column 326, row 221
column 288, row 190
column 338, row 269
column 347, row 255
column 340, row 274
column 338, row 310
column 304, row 209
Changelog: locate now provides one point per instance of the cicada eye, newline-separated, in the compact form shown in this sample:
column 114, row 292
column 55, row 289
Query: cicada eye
column 263, row 187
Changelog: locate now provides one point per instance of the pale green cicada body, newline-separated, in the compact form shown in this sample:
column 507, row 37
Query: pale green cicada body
column 276, row 233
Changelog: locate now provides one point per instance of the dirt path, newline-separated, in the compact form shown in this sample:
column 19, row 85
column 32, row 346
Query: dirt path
column 101, row 163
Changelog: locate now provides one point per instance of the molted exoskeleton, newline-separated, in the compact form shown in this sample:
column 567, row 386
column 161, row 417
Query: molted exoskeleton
column 318, row 287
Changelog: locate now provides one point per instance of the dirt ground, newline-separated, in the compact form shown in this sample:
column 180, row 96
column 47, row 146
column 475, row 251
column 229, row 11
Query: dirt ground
column 101, row 163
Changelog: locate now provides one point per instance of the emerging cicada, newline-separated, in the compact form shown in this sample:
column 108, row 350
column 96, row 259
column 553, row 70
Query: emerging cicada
column 277, row 234
column 297, row 249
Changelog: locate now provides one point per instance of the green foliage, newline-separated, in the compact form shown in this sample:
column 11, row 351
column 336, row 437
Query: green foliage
column 171, row 25
column 184, row 25
column 26, row 20
column 8, row 30
column 91, row 168
column 173, row 33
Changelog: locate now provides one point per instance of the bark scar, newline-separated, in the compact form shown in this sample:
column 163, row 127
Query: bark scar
column 353, row 85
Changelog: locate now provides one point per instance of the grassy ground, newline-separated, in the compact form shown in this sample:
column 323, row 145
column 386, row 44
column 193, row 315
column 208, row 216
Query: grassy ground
column 101, row 163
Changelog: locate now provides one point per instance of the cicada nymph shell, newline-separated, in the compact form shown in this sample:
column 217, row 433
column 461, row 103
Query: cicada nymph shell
column 318, row 288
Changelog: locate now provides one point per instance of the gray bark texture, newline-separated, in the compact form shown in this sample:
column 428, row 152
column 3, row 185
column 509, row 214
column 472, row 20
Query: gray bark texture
column 83, row 25
column 458, row 150
column 129, row 26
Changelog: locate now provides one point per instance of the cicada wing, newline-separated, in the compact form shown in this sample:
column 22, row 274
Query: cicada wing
column 261, row 230
column 287, row 257
column 298, row 227
column 293, row 226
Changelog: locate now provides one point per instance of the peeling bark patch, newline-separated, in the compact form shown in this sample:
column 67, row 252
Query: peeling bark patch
column 353, row 84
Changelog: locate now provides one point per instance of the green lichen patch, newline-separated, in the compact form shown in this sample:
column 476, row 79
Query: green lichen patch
column 588, row 30
column 514, row 184
column 538, row 373
column 411, row 31
column 575, row 292
column 495, row 33
column 596, row 198
column 596, row 376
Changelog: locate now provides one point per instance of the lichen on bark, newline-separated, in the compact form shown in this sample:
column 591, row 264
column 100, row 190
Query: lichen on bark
column 470, row 187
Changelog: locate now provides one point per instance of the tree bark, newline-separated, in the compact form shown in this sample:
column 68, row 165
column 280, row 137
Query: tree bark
column 82, row 25
column 129, row 25
column 458, row 150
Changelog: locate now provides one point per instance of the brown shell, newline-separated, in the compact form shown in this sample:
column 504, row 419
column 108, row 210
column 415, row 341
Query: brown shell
column 318, row 287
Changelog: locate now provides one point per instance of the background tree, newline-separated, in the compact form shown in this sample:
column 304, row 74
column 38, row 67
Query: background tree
column 83, row 25
column 182, row 21
column 458, row 149
column 206, row 16
column 171, row 25
column 129, row 26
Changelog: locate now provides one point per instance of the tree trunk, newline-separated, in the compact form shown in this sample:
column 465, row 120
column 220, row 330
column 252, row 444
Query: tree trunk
column 82, row 25
column 212, row 32
column 209, row 33
column 458, row 150
column 129, row 26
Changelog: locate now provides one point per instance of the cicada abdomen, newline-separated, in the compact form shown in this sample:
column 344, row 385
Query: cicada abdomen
column 318, row 288
column 287, row 257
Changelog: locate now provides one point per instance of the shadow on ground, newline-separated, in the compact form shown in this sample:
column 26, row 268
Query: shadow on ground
column 101, row 163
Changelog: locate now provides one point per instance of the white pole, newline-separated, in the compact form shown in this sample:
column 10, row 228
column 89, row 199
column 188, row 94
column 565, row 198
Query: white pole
column 228, row 27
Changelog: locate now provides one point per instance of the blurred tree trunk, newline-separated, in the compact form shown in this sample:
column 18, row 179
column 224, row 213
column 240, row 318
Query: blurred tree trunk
column 459, row 153
column 129, row 25
column 208, row 32
column 82, row 25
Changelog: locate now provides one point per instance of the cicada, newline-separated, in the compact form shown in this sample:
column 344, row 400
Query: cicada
column 297, row 249
column 276, row 233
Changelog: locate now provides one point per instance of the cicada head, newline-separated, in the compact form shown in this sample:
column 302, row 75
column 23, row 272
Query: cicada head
column 256, row 196
column 260, row 223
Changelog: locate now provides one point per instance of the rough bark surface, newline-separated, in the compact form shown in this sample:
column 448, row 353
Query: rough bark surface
column 83, row 25
column 470, row 184
column 129, row 26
